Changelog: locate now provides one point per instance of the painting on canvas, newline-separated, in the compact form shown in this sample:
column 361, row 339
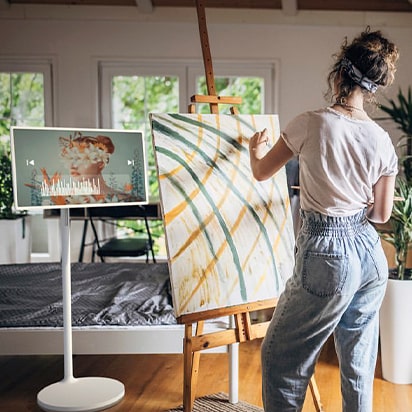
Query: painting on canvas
column 229, row 237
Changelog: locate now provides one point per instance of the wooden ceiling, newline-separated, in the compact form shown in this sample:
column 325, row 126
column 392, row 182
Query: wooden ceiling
column 335, row 5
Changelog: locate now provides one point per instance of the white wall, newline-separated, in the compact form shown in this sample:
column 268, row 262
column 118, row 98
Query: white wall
column 76, row 38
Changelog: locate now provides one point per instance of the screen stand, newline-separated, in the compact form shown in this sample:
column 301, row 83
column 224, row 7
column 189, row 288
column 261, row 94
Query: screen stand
column 75, row 394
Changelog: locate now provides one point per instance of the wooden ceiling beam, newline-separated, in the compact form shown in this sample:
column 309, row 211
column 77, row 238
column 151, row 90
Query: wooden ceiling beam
column 290, row 7
column 144, row 6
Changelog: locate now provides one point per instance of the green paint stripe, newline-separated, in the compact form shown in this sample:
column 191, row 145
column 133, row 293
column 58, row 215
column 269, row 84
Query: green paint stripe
column 235, row 256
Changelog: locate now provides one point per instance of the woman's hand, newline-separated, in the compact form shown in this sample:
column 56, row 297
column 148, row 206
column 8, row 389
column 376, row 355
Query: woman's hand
column 259, row 144
column 266, row 161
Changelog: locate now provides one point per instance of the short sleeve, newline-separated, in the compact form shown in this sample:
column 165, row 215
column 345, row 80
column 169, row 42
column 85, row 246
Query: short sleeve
column 389, row 158
column 295, row 133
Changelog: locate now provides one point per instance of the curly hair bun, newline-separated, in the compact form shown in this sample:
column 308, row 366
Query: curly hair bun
column 369, row 62
column 374, row 55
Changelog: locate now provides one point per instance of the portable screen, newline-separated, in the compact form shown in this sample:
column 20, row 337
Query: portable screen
column 71, row 167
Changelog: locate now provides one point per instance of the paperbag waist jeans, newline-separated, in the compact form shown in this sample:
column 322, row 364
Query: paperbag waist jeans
column 337, row 287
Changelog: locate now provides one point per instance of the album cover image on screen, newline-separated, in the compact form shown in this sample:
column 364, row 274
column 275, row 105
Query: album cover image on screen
column 58, row 168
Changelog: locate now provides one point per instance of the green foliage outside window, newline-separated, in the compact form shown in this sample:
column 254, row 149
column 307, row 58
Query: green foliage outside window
column 134, row 97
column 21, row 103
column 250, row 89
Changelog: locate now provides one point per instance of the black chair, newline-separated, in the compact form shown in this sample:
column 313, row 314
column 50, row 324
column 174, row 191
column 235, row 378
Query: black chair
column 116, row 247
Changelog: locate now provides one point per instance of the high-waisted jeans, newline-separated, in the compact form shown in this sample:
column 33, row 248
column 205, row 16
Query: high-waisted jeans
column 337, row 287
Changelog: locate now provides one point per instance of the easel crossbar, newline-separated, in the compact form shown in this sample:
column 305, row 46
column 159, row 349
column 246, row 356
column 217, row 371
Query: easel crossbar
column 227, row 337
column 227, row 311
column 199, row 98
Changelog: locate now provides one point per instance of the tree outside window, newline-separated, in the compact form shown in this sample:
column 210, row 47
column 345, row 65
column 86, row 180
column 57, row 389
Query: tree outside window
column 250, row 89
column 21, row 103
column 133, row 99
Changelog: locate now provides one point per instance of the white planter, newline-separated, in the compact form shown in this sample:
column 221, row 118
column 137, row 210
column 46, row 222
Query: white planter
column 396, row 332
column 15, row 240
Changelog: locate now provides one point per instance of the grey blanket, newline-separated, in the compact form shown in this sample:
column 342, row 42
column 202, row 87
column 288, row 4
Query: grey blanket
column 125, row 294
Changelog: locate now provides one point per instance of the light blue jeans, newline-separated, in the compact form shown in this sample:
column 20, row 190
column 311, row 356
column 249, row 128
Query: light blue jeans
column 337, row 287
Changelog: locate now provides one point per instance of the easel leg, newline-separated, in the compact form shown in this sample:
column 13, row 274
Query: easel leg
column 191, row 362
column 187, row 369
column 315, row 394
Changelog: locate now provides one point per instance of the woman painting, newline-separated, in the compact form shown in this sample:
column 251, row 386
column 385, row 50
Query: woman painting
column 347, row 177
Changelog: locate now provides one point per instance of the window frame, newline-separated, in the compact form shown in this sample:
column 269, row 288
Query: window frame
column 265, row 69
column 27, row 65
column 108, row 70
column 44, row 66
column 187, row 71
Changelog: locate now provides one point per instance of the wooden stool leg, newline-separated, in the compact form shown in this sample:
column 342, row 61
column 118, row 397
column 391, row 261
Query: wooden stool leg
column 315, row 394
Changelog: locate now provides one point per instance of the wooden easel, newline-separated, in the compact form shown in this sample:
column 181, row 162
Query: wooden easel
column 244, row 329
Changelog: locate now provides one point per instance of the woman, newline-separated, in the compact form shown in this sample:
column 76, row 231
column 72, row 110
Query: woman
column 347, row 176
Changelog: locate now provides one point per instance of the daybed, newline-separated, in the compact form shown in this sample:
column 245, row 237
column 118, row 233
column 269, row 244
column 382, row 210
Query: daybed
column 117, row 308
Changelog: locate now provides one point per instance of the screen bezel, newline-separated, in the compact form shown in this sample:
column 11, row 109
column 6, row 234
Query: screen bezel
column 68, row 130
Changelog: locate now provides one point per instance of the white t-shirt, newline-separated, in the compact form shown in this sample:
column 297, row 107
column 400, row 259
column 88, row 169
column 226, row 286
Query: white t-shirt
column 340, row 159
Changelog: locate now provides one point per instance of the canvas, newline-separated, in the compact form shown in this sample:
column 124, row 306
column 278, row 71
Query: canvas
column 229, row 237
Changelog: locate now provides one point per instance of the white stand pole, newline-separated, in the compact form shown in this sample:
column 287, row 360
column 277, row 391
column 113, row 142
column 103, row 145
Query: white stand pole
column 75, row 394
column 234, row 373
column 233, row 368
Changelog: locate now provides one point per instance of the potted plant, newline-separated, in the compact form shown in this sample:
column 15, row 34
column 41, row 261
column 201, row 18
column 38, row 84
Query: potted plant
column 401, row 113
column 395, row 326
column 399, row 234
column 16, row 245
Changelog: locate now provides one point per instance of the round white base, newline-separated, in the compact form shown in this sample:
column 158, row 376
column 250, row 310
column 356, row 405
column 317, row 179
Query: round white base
column 81, row 394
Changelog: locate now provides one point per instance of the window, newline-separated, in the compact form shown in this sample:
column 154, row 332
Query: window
column 130, row 91
column 25, row 97
column 253, row 82
column 25, row 100
column 134, row 98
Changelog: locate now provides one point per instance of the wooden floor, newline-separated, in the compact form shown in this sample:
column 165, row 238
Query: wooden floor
column 154, row 382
